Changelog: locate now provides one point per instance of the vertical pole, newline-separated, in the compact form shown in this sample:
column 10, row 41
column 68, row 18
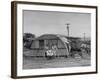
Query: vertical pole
column 84, row 36
column 68, row 29
column 68, row 38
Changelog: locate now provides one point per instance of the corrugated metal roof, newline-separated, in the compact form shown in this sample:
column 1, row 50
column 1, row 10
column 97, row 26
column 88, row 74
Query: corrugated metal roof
column 47, row 36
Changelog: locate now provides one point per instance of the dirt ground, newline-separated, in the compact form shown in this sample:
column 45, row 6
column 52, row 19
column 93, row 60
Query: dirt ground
column 57, row 62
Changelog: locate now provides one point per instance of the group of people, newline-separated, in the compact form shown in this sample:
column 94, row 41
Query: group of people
column 85, row 48
column 50, row 52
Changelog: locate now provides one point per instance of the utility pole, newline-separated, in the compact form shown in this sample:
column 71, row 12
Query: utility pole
column 67, row 29
column 67, row 46
column 84, row 36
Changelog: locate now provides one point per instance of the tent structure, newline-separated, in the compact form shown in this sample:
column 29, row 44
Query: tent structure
column 41, row 43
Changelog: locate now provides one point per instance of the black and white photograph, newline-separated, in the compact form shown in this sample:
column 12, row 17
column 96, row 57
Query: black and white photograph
column 53, row 39
column 56, row 39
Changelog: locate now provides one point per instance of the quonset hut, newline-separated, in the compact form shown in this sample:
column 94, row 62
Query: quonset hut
column 39, row 44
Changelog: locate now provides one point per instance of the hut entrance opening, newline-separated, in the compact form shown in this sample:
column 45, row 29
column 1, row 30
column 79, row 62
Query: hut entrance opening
column 41, row 44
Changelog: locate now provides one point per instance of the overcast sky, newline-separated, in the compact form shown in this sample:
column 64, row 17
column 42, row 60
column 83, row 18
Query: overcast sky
column 48, row 22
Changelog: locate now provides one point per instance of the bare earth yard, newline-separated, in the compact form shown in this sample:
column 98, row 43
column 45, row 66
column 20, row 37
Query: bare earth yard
column 57, row 62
